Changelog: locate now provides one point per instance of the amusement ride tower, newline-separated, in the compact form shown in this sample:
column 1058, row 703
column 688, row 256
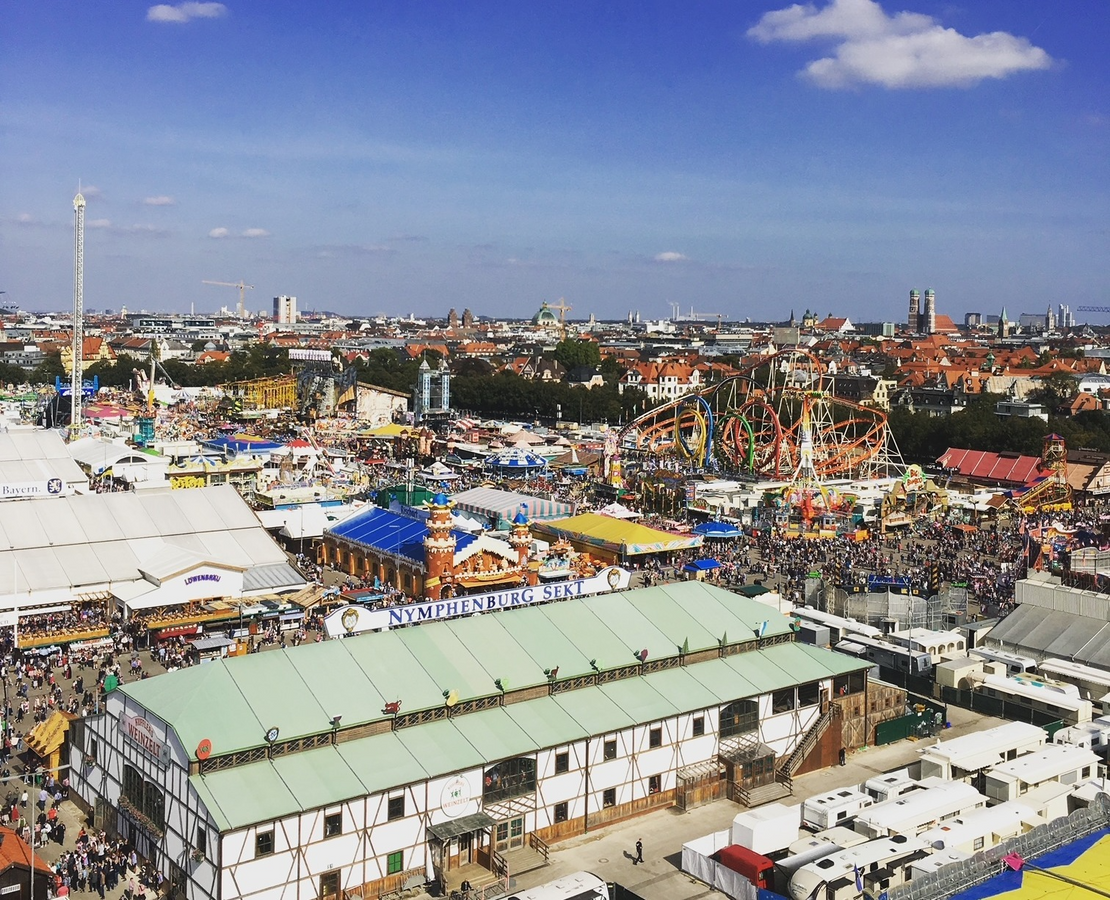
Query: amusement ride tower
column 76, row 382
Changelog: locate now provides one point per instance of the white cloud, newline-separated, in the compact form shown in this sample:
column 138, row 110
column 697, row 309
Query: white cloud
column 218, row 233
column 905, row 50
column 89, row 191
column 159, row 201
column 670, row 256
column 184, row 12
column 99, row 223
column 255, row 233
column 25, row 219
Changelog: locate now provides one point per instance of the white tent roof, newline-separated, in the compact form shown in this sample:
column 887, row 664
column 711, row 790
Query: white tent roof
column 58, row 547
column 37, row 456
column 618, row 511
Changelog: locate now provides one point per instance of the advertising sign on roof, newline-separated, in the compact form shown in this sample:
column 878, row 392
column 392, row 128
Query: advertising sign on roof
column 12, row 490
column 349, row 620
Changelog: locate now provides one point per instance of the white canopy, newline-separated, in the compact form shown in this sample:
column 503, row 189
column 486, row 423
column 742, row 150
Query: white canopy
column 618, row 511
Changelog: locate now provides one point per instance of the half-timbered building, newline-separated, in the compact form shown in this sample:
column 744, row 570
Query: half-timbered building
column 385, row 759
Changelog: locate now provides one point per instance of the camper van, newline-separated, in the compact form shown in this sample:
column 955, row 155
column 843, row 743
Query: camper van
column 1092, row 683
column 892, row 784
column 835, row 808
column 1039, row 699
column 1015, row 663
column 1093, row 735
column 879, row 866
column 839, row 627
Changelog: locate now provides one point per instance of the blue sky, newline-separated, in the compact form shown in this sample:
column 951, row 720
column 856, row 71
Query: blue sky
column 742, row 158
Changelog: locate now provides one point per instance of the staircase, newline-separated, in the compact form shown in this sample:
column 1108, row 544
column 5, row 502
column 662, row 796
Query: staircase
column 765, row 793
column 809, row 740
column 524, row 860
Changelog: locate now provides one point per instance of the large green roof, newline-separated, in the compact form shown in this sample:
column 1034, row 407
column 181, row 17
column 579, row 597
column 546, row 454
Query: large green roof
column 300, row 690
column 234, row 702
column 269, row 789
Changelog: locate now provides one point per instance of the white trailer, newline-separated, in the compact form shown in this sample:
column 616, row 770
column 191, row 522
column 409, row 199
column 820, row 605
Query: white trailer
column 983, row 828
column 1015, row 663
column 834, row 808
column 892, row 784
column 920, row 809
column 965, row 758
column 880, row 865
column 1062, row 763
column 1092, row 682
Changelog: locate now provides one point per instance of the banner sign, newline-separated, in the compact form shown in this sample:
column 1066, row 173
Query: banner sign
column 17, row 489
column 357, row 619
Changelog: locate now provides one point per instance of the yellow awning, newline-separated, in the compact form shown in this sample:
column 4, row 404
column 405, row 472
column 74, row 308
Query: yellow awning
column 47, row 737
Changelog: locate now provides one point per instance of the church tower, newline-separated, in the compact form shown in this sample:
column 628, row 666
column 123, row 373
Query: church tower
column 439, row 551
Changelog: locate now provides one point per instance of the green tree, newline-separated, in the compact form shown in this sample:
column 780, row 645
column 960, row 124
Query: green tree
column 572, row 353
column 46, row 371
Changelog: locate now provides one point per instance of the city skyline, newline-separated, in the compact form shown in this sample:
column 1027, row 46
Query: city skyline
column 740, row 159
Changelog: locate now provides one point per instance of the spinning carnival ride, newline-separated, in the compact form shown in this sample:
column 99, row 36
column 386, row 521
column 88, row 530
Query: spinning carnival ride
column 772, row 420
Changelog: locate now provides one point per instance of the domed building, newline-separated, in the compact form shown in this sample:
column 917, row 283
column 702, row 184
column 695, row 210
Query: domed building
column 546, row 318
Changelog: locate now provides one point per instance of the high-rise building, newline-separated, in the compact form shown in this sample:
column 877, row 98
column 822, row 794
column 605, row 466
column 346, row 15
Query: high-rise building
column 285, row 310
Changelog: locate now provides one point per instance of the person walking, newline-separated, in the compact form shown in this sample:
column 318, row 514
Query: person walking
column 639, row 852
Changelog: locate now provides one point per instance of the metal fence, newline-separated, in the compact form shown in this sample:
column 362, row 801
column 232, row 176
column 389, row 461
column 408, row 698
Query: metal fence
column 984, row 865
column 979, row 702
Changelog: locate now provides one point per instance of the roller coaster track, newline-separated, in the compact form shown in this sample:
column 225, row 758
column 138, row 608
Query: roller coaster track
column 751, row 423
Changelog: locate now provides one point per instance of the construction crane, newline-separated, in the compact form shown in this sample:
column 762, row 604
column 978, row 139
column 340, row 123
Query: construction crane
column 1095, row 309
column 235, row 284
column 563, row 310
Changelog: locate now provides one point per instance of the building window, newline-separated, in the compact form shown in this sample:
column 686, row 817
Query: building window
column 333, row 824
column 202, row 840
column 699, row 726
column 782, row 701
column 329, row 885
column 263, row 844
column 977, row 844
column 562, row 762
column 396, row 808
column 133, row 785
column 655, row 784
column 609, row 797
column 154, row 805
column 655, row 737
column 394, row 862
column 609, row 751
column 561, row 812
column 809, row 694
column 510, row 778
column 741, row 717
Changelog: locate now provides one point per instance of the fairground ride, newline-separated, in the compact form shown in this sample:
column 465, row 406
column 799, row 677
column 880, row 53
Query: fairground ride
column 776, row 420
column 1051, row 492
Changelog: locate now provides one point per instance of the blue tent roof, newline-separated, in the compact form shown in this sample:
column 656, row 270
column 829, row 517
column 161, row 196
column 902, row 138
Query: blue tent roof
column 380, row 529
column 224, row 443
column 515, row 458
column 701, row 565
column 717, row 530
